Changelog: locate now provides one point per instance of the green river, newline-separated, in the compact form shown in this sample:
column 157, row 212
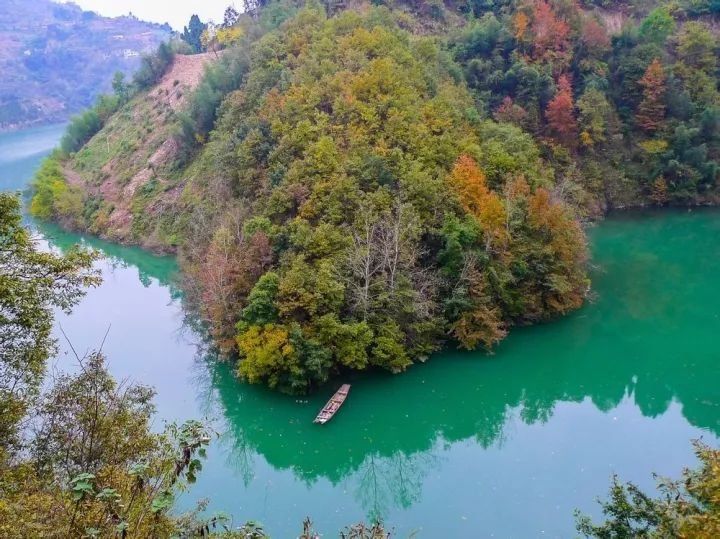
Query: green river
column 466, row 445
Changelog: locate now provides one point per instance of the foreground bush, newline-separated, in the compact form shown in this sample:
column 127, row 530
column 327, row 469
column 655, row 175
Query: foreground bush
column 687, row 507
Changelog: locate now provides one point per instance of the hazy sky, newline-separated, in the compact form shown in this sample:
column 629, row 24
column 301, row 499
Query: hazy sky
column 175, row 12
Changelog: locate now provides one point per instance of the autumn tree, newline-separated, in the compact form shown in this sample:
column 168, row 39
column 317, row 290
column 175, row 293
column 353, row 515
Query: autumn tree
column 521, row 22
column 510, row 112
column 550, row 33
column 659, row 191
column 594, row 36
column 564, row 285
column 560, row 113
column 479, row 201
column 651, row 111
column 482, row 322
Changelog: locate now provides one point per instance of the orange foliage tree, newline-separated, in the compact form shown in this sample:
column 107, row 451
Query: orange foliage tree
column 560, row 113
column 521, row 22
column 483, row 323
column 595, row 37
column 479, row 201
column 510, row 112
column 565, row 285
column 550, row 34
column 651, row 111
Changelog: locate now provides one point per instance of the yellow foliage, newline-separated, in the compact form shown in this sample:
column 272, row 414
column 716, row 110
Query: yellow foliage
column 654, row 146
column 266, row 352
column 586, row 139
column 522, row 21
column 469, row 183
column 229, row 36
column 492, row 216
column 659, row 194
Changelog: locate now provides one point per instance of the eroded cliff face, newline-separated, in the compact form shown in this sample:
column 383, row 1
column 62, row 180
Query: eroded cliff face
column 56, row 58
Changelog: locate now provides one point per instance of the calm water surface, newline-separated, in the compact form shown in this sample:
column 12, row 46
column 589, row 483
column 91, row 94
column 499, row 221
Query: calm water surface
column 467, row 445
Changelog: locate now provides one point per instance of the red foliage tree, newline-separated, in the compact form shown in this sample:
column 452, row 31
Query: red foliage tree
column 232, row 265
column 509, row 112
column 560, row 113
column 651, row 112
column 550, row 33
column 595, row 37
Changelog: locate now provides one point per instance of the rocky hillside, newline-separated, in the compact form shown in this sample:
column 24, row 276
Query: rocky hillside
column 352, row 186
column 55, row 58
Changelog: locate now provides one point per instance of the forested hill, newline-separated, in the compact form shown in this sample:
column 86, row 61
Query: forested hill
column 55, row 58
column 353, row 186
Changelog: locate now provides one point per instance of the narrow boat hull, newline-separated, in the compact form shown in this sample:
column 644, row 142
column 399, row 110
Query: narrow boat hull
column 333, row 405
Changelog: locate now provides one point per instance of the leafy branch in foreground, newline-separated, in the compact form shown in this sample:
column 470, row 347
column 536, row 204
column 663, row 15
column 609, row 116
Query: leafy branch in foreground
column 32, row 285
column 93, row 467
column 688, row 507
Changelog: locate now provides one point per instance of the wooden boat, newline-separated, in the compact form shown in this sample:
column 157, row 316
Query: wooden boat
column 333, row 405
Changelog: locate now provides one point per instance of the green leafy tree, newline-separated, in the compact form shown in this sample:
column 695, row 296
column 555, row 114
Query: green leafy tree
column 689, row 507
column 32, row 284
column 230, row 17
column 658, row 25
column 153, row 66
column 53, row 198
column 192, row 33
column 596, row 117
column 697, row 46
column 81, row 128
column 120, row 87
column 334, row 134
column 345, row 165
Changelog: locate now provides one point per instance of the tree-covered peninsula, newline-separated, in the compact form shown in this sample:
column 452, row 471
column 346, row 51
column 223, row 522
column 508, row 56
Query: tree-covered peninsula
column 354, row 186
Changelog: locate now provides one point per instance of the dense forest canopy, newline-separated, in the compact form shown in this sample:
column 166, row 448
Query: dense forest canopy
column 353, row 187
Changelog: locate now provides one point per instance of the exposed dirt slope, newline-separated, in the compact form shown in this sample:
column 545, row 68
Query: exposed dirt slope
column 184, row 75
column 129, row 163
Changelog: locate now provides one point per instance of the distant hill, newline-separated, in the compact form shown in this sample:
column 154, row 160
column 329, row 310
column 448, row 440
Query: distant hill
column 56, row 58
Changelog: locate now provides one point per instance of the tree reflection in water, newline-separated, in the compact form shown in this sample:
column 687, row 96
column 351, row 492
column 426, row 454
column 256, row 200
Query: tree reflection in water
column 631, row 344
